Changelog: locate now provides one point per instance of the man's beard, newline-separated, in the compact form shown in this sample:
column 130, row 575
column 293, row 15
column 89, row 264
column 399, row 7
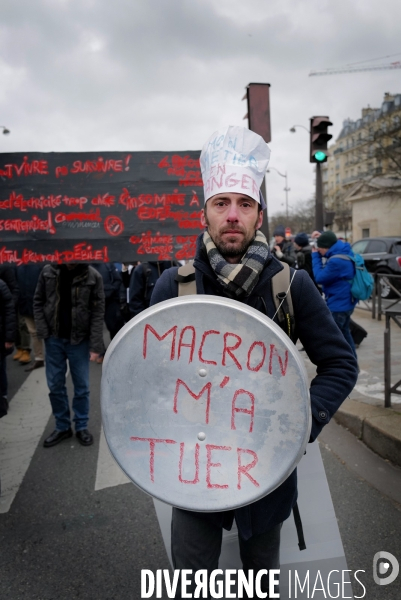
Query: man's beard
column 227, row 249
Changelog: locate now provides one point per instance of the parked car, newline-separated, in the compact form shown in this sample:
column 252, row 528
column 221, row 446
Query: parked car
column 382, row 255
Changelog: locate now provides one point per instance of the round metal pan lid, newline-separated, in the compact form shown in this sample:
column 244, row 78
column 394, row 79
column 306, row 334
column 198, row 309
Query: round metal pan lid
column 205, row 403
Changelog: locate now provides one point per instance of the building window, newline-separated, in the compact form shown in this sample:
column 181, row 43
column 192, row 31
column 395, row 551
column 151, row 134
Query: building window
column 365, row 233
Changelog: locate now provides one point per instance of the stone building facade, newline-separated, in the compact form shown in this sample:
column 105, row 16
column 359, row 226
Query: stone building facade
column 362, row 177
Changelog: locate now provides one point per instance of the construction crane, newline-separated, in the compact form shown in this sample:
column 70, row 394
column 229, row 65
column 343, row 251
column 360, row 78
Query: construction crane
column 355, row 67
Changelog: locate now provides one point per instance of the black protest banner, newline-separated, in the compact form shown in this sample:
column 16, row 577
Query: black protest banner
column 99, row 207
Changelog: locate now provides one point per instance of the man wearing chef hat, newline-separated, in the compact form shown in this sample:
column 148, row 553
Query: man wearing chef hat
column 233, row 260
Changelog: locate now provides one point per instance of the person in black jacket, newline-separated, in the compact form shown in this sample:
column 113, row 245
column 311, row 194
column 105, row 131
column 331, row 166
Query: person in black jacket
column 7, row 336
column 69, row 308
column 23, row 353
column 142, row 283
column 115, row 296
column 27, row 277
column 233, row 260
column 304, row 253
column 283, row 249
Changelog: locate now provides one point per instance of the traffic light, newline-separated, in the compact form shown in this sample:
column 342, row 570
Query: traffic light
column 258, row 99
column 318, row 139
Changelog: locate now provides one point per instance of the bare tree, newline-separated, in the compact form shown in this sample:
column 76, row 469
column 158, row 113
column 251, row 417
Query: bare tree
column 300, row 218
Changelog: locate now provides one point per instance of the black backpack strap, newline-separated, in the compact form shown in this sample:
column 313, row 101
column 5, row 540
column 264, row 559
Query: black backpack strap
column 298, row 525
column 186, row 279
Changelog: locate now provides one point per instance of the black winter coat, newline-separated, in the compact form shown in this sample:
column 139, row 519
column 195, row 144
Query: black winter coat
column 288, row 250
column 326, row 347
column 142, row 283
column 114, row 290
column 27, row 277
column 8, row 319
column 304, row 260
column 7, row 274
column 87, row 306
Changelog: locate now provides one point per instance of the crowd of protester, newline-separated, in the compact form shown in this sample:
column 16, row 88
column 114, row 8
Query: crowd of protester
column 56, row 313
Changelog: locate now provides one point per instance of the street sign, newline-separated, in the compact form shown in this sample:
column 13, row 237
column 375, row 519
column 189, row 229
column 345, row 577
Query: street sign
column 205, row 403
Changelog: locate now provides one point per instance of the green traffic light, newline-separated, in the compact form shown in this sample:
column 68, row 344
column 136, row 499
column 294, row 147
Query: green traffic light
column 320, row 156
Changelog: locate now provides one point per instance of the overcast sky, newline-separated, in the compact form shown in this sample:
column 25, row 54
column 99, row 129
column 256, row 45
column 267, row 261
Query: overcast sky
column 93, row 75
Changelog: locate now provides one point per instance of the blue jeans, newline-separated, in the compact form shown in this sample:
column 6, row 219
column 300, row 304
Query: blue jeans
column 196, row 544
column 342, row 319
column 58, row 351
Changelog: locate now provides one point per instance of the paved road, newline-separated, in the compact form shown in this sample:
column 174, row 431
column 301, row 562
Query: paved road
column 70, row 529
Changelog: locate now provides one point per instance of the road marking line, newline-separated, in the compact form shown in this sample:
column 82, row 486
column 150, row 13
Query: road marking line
column 20, row 432
column 108, row 473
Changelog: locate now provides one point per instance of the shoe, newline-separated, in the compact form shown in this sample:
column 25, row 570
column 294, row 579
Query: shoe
column 84, row 437
column 56, row 437
column 18, row 354
column 25, row 357
column 36, row 365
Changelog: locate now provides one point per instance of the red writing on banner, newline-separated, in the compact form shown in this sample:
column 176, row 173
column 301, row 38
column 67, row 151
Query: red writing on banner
column 17, row 201
column 213, row 452
column 227, row 345
column 94, row 215
column 97, row 166
column 81, row 252
column 161, row 245
column 188, row 247
column 186, row 219
column 185, row 168
column 132, row 202
column 103, row 200
column 33, row 224
column 113, row 225
column 35, row 167
column 94, row 166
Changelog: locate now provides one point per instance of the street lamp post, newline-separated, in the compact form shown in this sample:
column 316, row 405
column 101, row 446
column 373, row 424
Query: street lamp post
column 286, row 189
column 293, row 128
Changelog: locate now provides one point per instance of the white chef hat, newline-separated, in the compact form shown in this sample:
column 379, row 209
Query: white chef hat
column 234, row 159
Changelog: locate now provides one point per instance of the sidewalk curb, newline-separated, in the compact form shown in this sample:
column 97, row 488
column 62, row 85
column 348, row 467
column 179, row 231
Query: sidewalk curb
column 379, row 428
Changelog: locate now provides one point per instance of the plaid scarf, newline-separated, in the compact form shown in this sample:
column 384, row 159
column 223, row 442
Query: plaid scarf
column 238, row 279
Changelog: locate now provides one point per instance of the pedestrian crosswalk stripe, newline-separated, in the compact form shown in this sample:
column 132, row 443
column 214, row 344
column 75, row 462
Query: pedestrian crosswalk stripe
column 108, row 473
column 20, row 432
